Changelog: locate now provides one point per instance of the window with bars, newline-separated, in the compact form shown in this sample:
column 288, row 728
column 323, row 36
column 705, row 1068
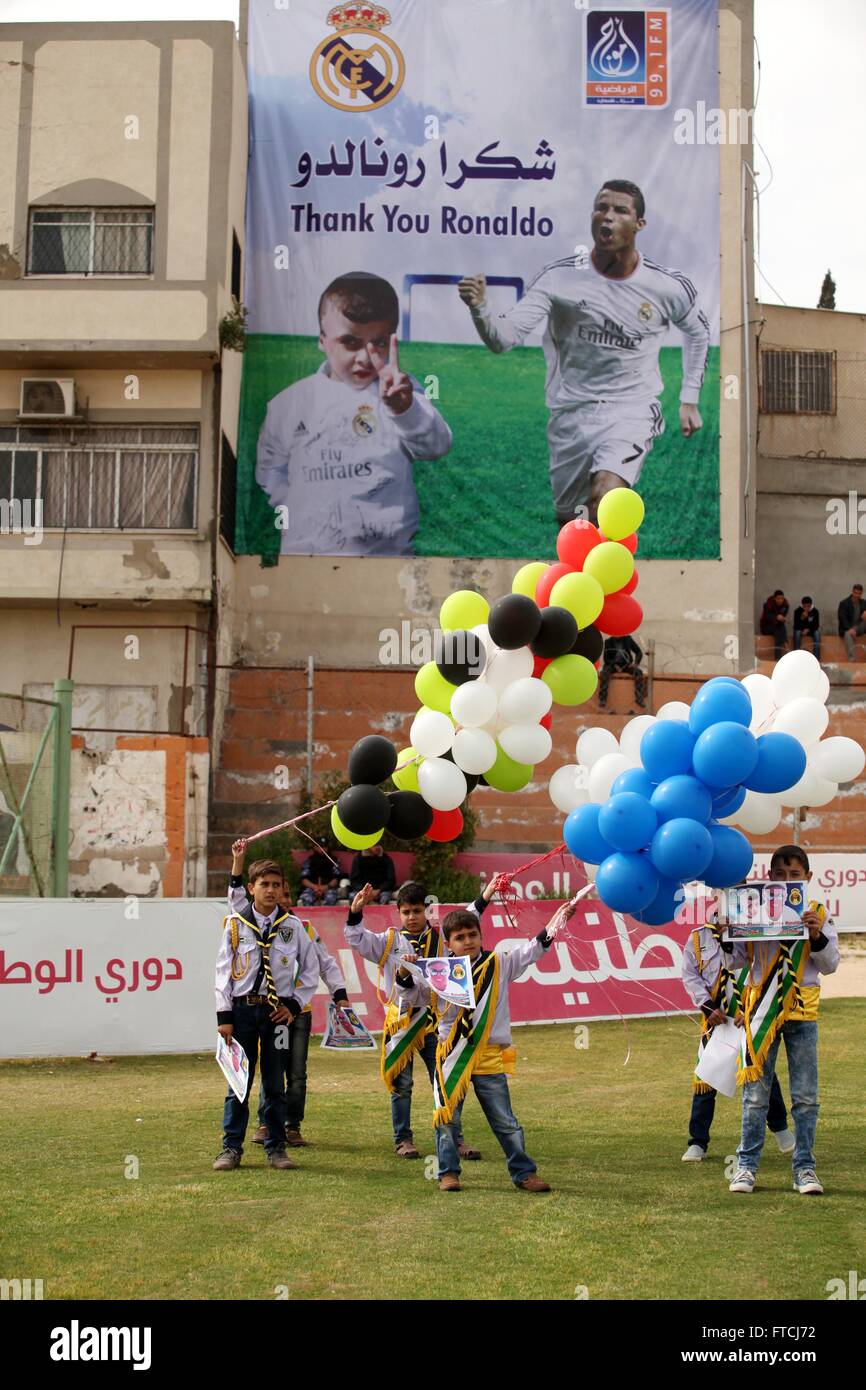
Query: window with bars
column 90, row 241
column 798, row 383
column 114, row 477
column 228, row 493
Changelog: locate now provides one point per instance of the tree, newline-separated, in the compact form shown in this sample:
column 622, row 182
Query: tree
column 828, row 293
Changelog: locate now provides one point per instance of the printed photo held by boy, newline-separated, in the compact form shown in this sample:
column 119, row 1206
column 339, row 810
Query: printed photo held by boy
column 336, row 449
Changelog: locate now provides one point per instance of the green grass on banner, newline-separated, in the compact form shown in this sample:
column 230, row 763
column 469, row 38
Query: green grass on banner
column 626, row 1218
column 491, row 495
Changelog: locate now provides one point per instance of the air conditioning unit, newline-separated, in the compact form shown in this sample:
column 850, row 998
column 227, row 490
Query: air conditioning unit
column 47, row 398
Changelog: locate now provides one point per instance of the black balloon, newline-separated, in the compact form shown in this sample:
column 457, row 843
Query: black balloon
column 590, row 644
column 461, row 656
column 557, row 634
column 410, row 815
column 371, row 761
column 364, row 810
column 514, row 621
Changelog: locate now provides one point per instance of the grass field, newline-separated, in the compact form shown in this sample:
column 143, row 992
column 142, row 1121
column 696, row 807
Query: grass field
column 626, row 1219
column 491, row 495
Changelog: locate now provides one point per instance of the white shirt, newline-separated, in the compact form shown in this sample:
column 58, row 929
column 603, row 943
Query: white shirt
column 602, row 335
column 293, row 957
column 341, row 462
column 329, row 970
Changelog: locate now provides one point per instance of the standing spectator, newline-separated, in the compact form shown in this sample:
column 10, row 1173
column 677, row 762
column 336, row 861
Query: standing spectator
column 772, row 623
column 807, row 622
column 375, row 867
column 622, row 656
column 851, row 622
column 319, row 879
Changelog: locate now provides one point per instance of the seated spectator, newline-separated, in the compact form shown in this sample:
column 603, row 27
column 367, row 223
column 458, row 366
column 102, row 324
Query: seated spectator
column 851, row 622
column 375, row 867
column 622, row 656
column 319, row 879
column 807, row 623
column 772, row 623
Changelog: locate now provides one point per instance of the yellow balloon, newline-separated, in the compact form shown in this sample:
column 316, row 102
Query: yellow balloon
column 572, row 680
column 463, row 609
column 406, row 779
column 582, row 595
column 611, row 564
column 432, row 689
column 350, row 840
column 619, row 513
column 526, row 578
column 506, row 775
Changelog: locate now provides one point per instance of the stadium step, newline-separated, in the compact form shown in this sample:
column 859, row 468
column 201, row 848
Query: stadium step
column 832, row 650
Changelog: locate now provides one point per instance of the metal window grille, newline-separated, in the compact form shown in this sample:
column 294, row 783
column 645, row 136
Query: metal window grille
column 90, row 241
column 142, row 477
column 798, row 383
column 228, row 493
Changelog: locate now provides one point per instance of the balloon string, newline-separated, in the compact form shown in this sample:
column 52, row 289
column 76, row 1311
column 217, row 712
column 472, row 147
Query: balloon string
column 284, row 825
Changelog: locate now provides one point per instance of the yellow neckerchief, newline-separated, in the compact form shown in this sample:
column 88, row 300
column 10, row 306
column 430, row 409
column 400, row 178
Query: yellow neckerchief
column 264, row 946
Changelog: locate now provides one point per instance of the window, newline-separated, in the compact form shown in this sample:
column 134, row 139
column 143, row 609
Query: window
column 119, row 477
column 237, row 285
column 798, row 383
column 91, row 241
column 228, row 493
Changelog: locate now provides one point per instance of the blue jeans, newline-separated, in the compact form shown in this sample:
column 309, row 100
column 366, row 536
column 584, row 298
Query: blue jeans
column 295, row 1063
column 703, row 1109
column 816, row 640
column 401, row 1099
column 801, row 1045
column 253, row 1030
column 495, row 1101
column 307, row 898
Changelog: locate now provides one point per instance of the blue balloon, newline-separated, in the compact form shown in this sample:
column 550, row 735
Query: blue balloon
column 717, row 701
column 780, row 763
column 726, row 754
column 628, row 821
column 732, row 857
column 681, row 849
column 634, row 779
column 627, row 882
column 728, row 801
column 665, row 904
column 666, row 749
column 582, row 835
column 680, row 796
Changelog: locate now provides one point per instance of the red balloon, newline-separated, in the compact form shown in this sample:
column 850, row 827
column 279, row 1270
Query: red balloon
column 630, row 587
column 620, row 615
column 547, row 581
column 630, row 542
column 539, row 664
column 446, row 826
column 575, row 541
column 547, row 720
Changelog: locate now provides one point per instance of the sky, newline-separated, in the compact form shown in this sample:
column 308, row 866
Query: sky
column 810, row 121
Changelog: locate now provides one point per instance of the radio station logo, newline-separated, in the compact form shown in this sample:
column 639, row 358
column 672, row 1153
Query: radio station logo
column 627, row 58
column 351, row 73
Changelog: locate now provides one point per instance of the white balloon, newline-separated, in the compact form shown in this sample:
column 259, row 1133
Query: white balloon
column 674, row 709
column 525, row 743
column 604, row 773
column 837, row 759
column 432, row 733
column 825, row 687
column 796, row 673
column 507, row 666
column 474, row 750
column 525, row 701
column 473, row 704
column 567, row 792
column 594, row 744
column 805, row 718
column 629, row 739
column 803, row 792
column 442, row 784
column 760, row 691
column 759, row 814
column 482, row 632
column 824, row 792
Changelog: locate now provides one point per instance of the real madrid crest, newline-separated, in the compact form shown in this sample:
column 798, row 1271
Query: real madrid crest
column 364, row 422
column 352, row 75
column 645, row 312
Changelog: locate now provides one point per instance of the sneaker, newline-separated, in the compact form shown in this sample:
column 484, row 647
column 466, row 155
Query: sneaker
column 449, row 1182
column 406, row 1149
column 278, row 1158
column 807, row 1184
column 260, row 1135
column 785, row 1140
column 295, row 1139
column 533, row 1184
column 228, row 1159
column 744, row 1181
column 693, row 1154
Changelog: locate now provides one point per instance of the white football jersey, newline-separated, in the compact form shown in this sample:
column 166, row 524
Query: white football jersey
column 601, row 335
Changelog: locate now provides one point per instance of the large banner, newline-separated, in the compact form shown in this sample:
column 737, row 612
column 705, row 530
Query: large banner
column 433, row 185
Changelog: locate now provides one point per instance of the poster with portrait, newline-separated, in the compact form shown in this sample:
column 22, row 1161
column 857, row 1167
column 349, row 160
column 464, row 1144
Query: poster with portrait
column 482, row 264
column 763, row 911
column 448, row 976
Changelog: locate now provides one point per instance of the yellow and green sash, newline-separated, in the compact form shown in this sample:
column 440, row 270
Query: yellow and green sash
column 457, row 1057
column 727, row 993
column 405, row 1030
column 769, row 1004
